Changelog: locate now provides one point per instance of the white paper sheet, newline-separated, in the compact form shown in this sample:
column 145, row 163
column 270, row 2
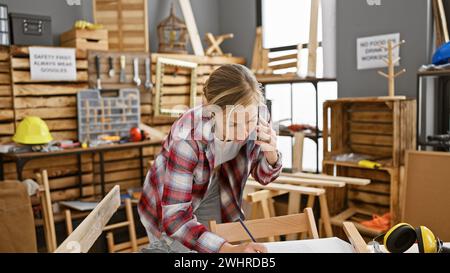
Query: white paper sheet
column 79, row 205
column 326, row 245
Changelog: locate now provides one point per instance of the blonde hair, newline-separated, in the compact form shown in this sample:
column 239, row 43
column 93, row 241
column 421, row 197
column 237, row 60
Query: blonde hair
column 232, row 84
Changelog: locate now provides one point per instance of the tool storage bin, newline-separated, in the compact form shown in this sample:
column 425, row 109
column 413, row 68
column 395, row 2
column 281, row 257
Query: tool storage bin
column 28, row 29
column 99, row 114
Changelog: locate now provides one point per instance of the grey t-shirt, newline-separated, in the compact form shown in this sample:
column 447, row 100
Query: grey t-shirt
column 208, row 209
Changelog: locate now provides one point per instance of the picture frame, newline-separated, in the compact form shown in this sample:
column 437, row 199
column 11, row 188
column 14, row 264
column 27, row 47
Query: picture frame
column 160, row 65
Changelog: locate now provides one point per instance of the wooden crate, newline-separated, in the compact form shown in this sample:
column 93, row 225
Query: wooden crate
column 379, row 197
column 54, row 102
column 126, row 21
column 379, row 127
column 7, row 126
column 85, row 39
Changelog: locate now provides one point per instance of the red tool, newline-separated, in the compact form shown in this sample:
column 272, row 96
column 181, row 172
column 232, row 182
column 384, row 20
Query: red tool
column 136, row 135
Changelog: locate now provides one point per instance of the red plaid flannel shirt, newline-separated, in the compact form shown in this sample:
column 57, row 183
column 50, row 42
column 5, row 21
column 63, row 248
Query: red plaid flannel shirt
column 179, row 177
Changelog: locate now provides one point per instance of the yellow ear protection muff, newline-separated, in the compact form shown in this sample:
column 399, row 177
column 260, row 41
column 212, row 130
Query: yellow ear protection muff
column 399, row 238
column 428, row 243
column 402, row 236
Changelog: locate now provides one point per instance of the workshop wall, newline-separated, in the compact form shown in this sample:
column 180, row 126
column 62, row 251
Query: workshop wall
column 238, row 17
column 355, row 18
column 63, row 15
column 206, row 14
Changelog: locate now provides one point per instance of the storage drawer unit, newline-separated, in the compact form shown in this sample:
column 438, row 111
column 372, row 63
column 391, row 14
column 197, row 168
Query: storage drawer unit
column 28, row 29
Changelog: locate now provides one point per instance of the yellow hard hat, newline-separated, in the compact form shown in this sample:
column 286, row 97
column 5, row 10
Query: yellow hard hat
column 32, row 130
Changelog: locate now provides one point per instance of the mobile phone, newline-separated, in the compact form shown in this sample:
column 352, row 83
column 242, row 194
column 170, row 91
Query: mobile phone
column 263, row 114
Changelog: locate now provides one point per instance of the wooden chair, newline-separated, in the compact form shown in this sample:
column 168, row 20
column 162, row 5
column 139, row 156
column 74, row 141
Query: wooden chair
column 295, row 192
column 264, row 228
column 262, row 205
column 47, row 210
column 49, row 223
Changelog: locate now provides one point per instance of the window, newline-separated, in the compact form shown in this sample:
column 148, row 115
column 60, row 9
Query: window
column 286, row 24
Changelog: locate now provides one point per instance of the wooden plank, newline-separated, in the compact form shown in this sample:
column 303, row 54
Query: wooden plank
column 375, row 117
column 443, row 20
column 25, row 77
column 371, row 198
column 61, row 124
column 70, row 181
column 24, row 51
column 371, row 128
column 377, row 140
column 6, row 128
column 64, row 162
column 180, row 89
column 355, row 238
column 375, row 187
column 211, row 60
column 6, row 102
column 375, row 175
column 65, row 135
column 71, row 194
column 377, row 151
column 180, row 80
column 48, row 102
column 44, row 113
column 118, row 166
column 196, row 42
column 6, row 115
column 120, row 175
column 373, row 209
column 99, row 34
column 5, row 90
column 84, row 235
column 60, row 177
column 4, row 54
column 286, row 187
column 5, row 67
column 5, row 139
column 5, row 78
column 313, row 38
column 48, row 89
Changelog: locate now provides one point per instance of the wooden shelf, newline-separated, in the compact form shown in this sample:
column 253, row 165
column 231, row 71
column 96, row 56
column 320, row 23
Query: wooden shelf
column 386, row 164
column 289, row 78
column 439, row 72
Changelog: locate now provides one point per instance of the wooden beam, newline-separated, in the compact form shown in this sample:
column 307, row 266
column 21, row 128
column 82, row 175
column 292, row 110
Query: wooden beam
column 313, row 38
column 355, row 238
column 85, row 235
column 192, row 27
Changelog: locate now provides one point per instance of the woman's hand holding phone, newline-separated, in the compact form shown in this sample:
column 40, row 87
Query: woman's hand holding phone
column 267, row 139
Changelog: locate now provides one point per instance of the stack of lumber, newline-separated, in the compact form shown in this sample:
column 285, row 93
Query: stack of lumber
column 383, row 128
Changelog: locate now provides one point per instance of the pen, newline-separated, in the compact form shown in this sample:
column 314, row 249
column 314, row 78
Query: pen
column 246, row 229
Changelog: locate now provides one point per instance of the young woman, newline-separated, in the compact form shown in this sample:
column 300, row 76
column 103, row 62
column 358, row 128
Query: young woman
column 205, row 161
